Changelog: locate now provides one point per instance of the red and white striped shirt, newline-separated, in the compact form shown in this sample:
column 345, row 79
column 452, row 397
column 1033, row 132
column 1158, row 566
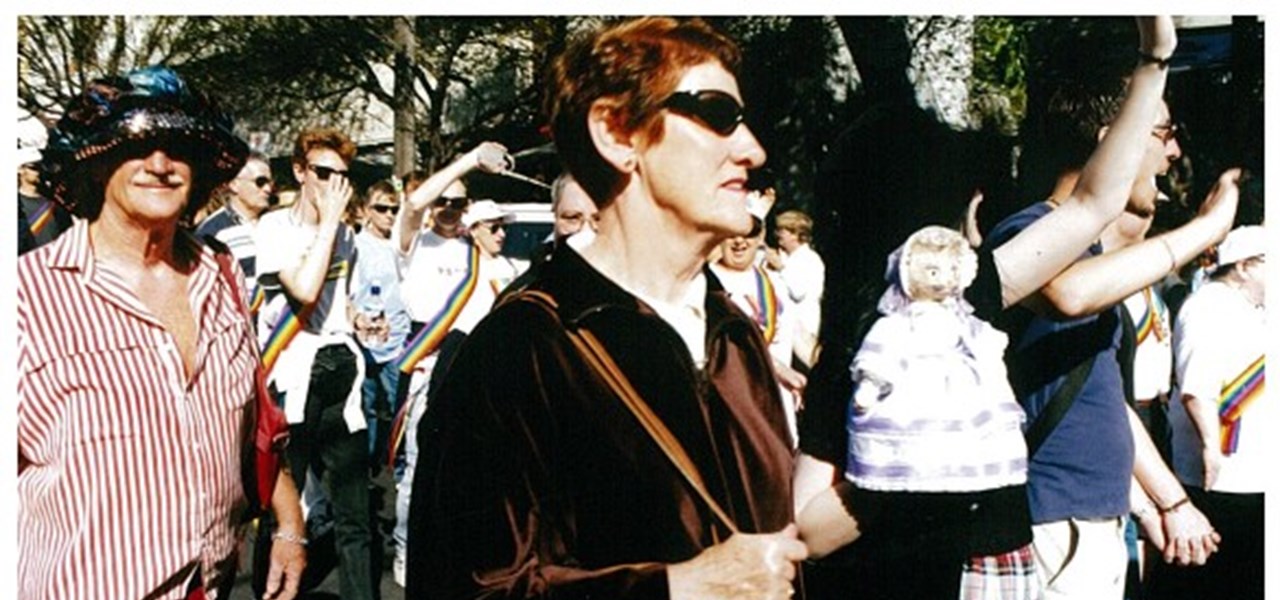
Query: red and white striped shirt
column 129, row 473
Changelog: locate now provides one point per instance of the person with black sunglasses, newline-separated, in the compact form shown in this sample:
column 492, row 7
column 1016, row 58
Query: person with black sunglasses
column 380, row 319
column 307, row 253
column 435, row 268
column 248, row 196
column 136, row 364
column 538, row 478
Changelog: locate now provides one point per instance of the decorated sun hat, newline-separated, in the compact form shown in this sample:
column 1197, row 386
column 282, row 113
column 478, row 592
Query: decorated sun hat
column 145, row 105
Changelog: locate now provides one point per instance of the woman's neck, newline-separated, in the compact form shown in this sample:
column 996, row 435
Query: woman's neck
column 647, row 250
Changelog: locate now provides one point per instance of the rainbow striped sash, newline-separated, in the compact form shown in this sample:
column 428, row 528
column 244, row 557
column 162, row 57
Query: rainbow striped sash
column 1237, row 396
column 291, row 320
column 36, row 221
column 255, row 301
column 766, row 305
column 287, row 327
column 1154, row 320
column 433, row 333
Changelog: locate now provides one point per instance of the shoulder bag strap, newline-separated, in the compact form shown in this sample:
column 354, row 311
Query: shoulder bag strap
column 598, row 358
column 1057, row 407
column 269, row 432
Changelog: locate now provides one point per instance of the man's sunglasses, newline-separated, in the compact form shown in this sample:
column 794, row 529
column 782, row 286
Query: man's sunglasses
column 262, row 181
column 495, row 227
column 719, row 111
column 385, row 208
column 323, row 173
column 452, row 202
column 1167, row 132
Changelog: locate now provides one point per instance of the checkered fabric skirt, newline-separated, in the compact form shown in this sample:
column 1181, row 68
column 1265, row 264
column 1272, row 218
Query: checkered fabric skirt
column 1008, row 576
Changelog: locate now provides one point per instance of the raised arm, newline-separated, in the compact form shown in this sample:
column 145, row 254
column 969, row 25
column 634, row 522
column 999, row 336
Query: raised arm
column 1098, row 282
column 487, row 157
column 304, row 280
column 1041, row 251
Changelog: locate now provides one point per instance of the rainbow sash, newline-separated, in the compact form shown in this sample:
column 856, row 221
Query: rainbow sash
column 1154, row 319
column 255, row 301
column 37, row 220
column 766, row 305
column 286, row 328
column 1237, row 396
column 433, row 333
column 291, row 321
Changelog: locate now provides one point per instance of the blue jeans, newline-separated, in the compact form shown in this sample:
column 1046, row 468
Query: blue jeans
column 379, row 387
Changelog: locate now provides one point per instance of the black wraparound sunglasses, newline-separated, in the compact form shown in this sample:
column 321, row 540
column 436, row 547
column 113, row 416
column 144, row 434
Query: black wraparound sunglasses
column 453, row 202
column 323, row 173
column 385, row 208
column 719, row 111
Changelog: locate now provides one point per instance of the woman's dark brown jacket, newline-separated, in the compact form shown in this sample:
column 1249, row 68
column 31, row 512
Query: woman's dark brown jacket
column 535, row 480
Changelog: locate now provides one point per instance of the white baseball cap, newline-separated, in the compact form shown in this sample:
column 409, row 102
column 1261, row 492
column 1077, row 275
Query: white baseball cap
column 484, row 210
column 1241, row 243
column 27, row 154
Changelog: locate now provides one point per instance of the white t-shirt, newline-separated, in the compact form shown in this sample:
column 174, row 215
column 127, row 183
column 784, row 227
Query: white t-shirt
column 802, row 275
column 495, row 274
column 743, row 289
column 434, row 267
column 1218, row 335
column 283, row 242
column 1153, row 355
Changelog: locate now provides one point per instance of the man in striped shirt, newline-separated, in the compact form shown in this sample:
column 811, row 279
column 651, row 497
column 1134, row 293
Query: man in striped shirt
column 234, row 224
column 132, row 402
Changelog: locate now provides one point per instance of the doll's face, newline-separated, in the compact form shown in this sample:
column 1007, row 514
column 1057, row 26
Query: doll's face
column 937, row 264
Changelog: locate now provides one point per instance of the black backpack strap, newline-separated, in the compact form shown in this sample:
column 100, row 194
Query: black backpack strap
column 1057, row 407
column 1128, row 353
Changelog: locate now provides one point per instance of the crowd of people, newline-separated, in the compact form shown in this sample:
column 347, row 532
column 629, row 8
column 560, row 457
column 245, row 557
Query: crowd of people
column 627, row 414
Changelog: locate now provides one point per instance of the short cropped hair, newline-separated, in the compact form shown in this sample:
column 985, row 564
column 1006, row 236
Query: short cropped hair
column 638, row 63
column 796, row 222
column 382, row 186
column 1074, row 115
column 323, row 137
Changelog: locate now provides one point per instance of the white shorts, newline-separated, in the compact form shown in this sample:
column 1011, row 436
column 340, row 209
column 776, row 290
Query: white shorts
column 1081, row 559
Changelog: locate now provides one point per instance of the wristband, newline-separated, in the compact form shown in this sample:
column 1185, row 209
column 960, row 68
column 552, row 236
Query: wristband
column 1164, row 510
column 292, row 538
column 1150, row 59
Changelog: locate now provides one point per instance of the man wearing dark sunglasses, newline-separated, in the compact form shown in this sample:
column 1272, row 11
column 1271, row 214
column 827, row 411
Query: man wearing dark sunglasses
column 308, row 252
column 249, row 196
column 436, row 265
column 381, row 321
column 136, row 364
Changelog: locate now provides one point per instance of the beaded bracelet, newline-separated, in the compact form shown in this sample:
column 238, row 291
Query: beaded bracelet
column 290, row 537
column 1164, row 510
column 1150, row 59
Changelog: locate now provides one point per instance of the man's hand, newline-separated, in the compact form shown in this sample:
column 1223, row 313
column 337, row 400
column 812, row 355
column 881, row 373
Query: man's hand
column 792, row 380
column 744, row 567
column 773, row 259
column 1152, row 527
column 1190, row 539
column 334, row 194
column 492, row 157
column 1219, row 208
column 288, row 560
